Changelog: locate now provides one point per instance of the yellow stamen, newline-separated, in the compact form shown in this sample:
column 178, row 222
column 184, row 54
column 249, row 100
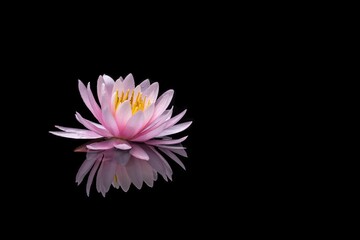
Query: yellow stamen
column 137, row 102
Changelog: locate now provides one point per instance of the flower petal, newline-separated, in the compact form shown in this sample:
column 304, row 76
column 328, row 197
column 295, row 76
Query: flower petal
column 122, row 144
column 95, row 107
column 148, row 113
column 92, row 126
column 152, row 92
column 171, row 122
column 109, row 83
column 134, row 125
column 144, row 136
column 103, row 145
column 109, row 121
column 139, row 152
column 86, row 98
column 129, row 82
column 144, row 85
column 75, row 130
column 166, row 142
column 175, row 129
column 77, row 135
column 159, row 120
column 122, row 115
column 162, row 103
column 118, row 86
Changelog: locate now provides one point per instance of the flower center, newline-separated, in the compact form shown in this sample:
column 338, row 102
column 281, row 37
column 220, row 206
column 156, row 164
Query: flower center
column 137, row 102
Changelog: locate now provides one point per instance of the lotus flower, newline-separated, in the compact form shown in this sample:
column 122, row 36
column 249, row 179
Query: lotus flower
column 126, row 114
column 120, row 168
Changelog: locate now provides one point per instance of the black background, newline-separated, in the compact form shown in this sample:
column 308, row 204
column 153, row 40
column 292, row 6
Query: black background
column 216, row 69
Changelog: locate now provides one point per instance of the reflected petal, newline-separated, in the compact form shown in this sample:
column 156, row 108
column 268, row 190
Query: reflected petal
column 121, row 168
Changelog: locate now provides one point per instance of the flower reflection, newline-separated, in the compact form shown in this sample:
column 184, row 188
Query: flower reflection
column 120, row 168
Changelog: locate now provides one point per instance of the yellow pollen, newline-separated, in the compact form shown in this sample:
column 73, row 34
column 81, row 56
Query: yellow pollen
column 137, row 102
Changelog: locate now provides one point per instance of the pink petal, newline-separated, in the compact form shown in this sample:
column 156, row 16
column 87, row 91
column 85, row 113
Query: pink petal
column 92, row 126
column 75, row 130
column 95, row 107
column 86, row 98
column 162, row 103
column 142, row 137
column 138, row 152
column 123, row 114
column 175, row 129
column 134, row 125
column 109, row 84
column 122, row 144
column 129, row 82
column 171, row 122
column 152, row 92
column 166, row 142
column 109, row 121
column 160, row 120
column 144, row 85
column 148, row 113
column 103, row 145
column 74, row 135
column 100, row 82
column 118, row 86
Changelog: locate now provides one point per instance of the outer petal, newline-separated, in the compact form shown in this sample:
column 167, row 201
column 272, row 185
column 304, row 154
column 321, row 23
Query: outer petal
column 171, row 122
column 96, row 109
column 160, row 120
column 103, row 145
column 88, row 100
column 142, row 137
column 152, row 92
column 162, row 103
column 82, row 135
column 92, row 126
column 122, row 144
column 175, row 129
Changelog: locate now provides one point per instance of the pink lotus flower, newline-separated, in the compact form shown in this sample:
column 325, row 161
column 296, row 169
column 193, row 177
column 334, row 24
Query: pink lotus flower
column 126, row 114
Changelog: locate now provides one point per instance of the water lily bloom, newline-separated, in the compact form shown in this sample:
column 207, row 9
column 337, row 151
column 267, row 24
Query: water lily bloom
column 126, row 113
column 118, row 168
